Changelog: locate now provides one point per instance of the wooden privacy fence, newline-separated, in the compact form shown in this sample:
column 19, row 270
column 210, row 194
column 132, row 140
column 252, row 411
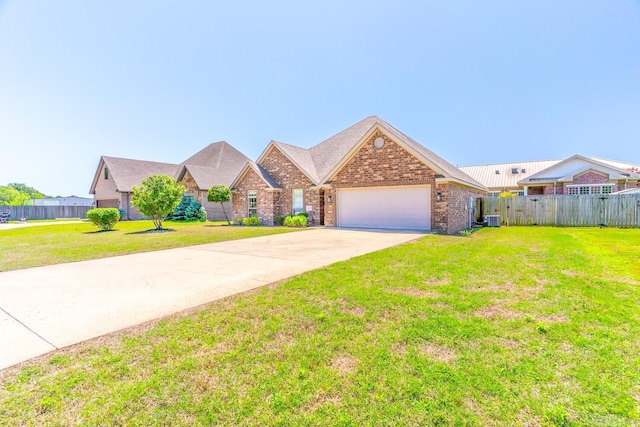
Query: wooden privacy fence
column 566, row 211
column 46, row 212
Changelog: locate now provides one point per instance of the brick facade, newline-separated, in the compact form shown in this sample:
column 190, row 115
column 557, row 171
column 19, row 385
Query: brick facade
column 591, row 177
column 390, row 165
column 290, row 177
column 453, row 212
column 266, row 200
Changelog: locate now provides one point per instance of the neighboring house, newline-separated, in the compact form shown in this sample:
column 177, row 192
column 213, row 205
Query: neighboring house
column 575, row 175
column 63, row 201
column 370, row 175
column 217, row 164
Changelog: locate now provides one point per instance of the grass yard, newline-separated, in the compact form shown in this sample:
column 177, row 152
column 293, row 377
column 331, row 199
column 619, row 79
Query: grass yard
column 513, row 326
column 54, row 244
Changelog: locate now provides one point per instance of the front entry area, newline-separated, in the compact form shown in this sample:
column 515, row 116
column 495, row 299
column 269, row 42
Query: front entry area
column 399, row 208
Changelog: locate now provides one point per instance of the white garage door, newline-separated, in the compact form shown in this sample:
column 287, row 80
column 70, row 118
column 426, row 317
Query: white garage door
column 385, row 207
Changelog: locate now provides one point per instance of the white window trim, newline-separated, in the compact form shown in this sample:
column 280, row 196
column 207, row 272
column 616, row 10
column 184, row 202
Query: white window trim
column 249, row 194
column 590, row 187
column 293, row 207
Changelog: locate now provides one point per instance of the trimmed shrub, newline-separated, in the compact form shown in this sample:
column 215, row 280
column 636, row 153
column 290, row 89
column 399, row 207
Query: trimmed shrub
column 295, row 221
column 252, row 220
column 304, row 214
column 279, row 220
column 104, row 218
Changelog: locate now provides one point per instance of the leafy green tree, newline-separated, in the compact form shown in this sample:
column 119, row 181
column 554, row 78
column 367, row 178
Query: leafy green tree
column 7, row 194
column 12, row 197
column 220, row 194
column 157, row 197
column 24, row 188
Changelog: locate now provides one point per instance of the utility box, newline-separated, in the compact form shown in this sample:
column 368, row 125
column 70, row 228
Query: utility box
column 492, row 220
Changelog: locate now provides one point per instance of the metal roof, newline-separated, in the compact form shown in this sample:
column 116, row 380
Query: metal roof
column 500, row 176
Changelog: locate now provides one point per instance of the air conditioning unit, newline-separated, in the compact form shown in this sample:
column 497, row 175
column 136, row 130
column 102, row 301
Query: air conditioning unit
column 492, row 220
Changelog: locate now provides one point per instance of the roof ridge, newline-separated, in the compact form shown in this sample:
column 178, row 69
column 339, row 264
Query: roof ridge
column 510, row 163
column 222, row 147
column 138, row 160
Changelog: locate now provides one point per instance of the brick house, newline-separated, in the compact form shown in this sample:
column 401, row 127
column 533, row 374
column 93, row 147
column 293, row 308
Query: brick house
column 216, row 164
column 580, row 175
column 370, row 175
column 575, row 175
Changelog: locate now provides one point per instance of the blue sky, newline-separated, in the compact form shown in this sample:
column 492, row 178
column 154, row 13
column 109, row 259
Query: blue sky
column 475, row 82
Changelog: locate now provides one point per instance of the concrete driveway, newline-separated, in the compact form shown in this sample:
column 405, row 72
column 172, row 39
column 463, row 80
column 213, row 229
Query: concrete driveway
column 46, row 308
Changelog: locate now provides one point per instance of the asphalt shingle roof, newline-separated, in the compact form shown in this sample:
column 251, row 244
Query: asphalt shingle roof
column 129, row 172
column 217, row 164
column 322, row 159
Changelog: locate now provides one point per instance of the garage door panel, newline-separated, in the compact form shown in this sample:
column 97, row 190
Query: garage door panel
column 385, row 207
column 108, row 203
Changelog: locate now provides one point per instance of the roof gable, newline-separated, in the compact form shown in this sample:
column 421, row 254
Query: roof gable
column 300, row 157
column 260, row 171
column 129, row 172
column 332, row 151
column 320, row 162
column 217, row 164
column 447, row 171
column 216, row 155
column 566, row 169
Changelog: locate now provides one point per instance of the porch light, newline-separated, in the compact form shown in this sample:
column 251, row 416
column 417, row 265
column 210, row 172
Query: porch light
column 438, row 196
column 329, row 199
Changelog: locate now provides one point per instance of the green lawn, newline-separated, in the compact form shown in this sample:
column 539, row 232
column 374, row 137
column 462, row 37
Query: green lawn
column 513, row 326
column 54, row 244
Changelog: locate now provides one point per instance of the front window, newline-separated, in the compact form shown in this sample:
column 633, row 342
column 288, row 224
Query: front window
column 296, row 196
column 518, row 192
column 106, row 173
column 253, row 203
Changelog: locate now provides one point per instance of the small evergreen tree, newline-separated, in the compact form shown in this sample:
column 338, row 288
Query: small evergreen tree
column 188, row 210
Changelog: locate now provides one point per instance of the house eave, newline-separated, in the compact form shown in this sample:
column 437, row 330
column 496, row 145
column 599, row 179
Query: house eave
column 446, row 180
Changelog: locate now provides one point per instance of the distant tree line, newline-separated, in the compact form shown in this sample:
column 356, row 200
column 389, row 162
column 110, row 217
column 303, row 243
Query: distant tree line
column 16, row 194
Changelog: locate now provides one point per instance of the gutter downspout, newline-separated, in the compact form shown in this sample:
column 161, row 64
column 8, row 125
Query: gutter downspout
column 128, row 206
